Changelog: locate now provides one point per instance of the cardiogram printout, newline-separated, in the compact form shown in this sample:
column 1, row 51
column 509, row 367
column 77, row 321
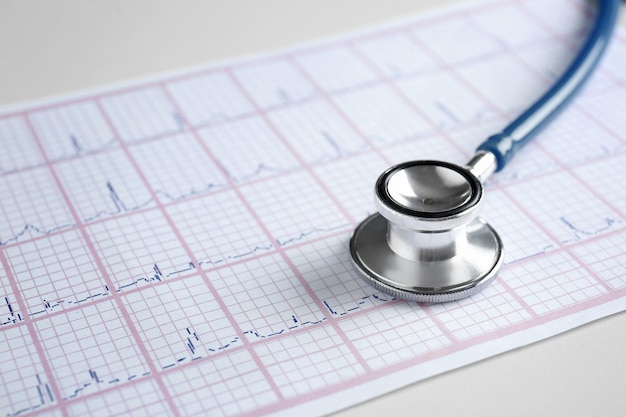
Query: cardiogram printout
column 179, row 246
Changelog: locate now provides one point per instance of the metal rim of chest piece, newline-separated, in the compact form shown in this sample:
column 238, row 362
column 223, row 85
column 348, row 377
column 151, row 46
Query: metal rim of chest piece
column 427, row 244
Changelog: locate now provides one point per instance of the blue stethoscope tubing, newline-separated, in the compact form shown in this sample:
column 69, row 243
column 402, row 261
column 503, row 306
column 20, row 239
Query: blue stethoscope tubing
column 427, row 243
column 506, row 144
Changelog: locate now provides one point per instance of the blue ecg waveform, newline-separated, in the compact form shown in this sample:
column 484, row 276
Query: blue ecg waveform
column 118, row 203
column 311, row 232
column 287, row 98
column 95, row 380
column 32, row 228
column 542, row 251
column 260, row 169
column 338, row 151
column 44, row 396
column 579, row 233
column 157, row 276
column 295, row 323
column 376, row 297
column 194, row 345
column 50, row 305
column 13, row 316
column 192, row 192
column 79, row 149
column 180, row 121
column 120, row 206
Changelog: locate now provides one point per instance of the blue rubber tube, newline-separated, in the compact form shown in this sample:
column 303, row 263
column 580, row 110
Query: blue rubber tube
column 505, row 145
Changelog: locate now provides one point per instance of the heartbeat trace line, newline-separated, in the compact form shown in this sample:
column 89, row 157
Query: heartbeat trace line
column 30, row 227
column 159, row 276
column 80, row 150
column 382, row 298
column 50, row 305
column 315, row 230
column 94, row 380
column 118, row 203
column 579, row 233
column 193, row 343
column 260, row 169
column 532, row 255
column 193, row 347
column 121, row 207
column 287, row 98
column 338, row 151
column 13, row 316
column 44, row 394
column 192, row 340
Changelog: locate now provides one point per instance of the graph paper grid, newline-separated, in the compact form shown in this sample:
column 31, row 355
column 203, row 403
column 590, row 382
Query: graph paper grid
column 179, row 246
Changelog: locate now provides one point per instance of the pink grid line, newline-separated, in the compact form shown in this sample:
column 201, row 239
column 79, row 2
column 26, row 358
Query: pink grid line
column 288, row 145
column 104, row 273
column 427, row 20
column 535, row 322
column 278, row 248
column 580, row 307
column 574, row 174
column 326, row 96
column 515, row 55
column 494, row 185
column 36, row 342
column 140, row 399
column 275, row 407
column 295, row 246
column 477, row 92
column 561, row 247
column 188, row 252
column 587, row 11
column 401, row 94
column 441, row 353
column 456, row 347
column 217, row 123
column 373, row 147
column 174, row 279
column 602, row 126
column 569, row 170
column 388, row 82
column 376, row 149
column 422, row 22
column 391, row 369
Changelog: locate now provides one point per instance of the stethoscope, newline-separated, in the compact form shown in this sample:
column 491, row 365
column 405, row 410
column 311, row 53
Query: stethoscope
column 427, row 243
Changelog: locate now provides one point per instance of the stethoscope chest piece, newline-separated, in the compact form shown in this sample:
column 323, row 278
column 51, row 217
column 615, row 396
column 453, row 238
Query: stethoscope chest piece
column 427, row 244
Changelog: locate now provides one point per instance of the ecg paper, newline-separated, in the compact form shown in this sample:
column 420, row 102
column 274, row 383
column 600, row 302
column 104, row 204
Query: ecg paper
column 179, row 246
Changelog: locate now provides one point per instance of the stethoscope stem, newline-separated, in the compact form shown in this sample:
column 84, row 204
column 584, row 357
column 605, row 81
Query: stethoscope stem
column 427, row 242
column 482, row 165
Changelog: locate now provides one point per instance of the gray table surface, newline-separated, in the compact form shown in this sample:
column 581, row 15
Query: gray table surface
column 51, row 48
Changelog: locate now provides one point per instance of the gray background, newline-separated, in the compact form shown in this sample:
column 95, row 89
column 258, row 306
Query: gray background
column 50, row 48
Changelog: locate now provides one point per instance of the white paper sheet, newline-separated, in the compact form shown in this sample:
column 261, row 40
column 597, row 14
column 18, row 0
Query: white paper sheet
column 179, row 246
